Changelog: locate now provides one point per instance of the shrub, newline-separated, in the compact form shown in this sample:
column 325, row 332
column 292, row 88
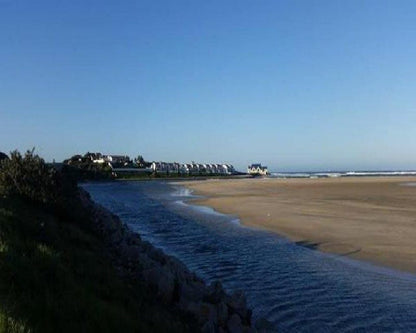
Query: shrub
column 83, row 168
column 31, row 178
column 3, row 156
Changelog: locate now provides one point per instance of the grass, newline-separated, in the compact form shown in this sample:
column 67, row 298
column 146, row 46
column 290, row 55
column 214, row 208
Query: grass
column 55, row 276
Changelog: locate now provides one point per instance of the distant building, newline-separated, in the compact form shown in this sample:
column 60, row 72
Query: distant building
column 192, row 168
column 257, row 169
column 117, row 160
column 165, row 167
column 228, row 168
column 122, row 163
column 94, row 157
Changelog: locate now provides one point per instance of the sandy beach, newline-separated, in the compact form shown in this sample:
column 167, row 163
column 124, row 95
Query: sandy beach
column 368, row 218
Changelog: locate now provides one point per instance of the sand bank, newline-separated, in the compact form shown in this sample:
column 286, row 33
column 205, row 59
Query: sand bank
column 369, row 218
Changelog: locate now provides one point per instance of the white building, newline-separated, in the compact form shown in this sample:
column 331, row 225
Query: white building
column 95, row 157
column 257, row 169
column 192, row 168
column 117, row 159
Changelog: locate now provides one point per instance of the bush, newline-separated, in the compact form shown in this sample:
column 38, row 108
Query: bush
column 30, row 178
column 83, row 168
column 3, row 156
column 87, row 171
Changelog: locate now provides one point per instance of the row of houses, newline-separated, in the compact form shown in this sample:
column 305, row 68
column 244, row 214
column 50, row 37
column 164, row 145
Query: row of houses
column 192, row 168
column 124, row 162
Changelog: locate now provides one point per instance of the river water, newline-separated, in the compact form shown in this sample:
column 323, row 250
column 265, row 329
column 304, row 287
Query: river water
column 296, row 288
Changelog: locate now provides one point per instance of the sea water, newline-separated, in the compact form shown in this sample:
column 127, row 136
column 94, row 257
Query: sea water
column 296, row 288
column 336, row 174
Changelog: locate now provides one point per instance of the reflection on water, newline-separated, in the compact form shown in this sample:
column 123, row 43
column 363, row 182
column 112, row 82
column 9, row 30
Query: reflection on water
column 296, row 288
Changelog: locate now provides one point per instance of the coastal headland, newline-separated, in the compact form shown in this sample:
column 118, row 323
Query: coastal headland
column 366, row 218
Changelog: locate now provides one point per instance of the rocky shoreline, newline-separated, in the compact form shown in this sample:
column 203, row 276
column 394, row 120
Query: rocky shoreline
column 172, row 282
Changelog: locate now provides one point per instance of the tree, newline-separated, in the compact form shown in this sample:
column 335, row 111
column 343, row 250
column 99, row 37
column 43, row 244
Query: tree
column 29, row 177
column 3, row 156
column 139, row 160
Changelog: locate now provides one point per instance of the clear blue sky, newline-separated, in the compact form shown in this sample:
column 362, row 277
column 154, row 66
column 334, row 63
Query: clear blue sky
column 297, row 85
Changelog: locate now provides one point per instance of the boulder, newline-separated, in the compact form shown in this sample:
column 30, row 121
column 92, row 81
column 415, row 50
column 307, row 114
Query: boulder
column 215, row 293
column 190, row 307
column 179, row 269
column 193, row 291
column 237, row 304
column 162, row 281
column 264, row 326
column 166, row 288
column 151, row 275
column 207, row 312
column 237, row 300
column 145, row 247
column 248, row 329
column 144, row 262
column 129, row 252
column 157, row 255
column 234, row 324
column 133, row 239
column 209, row 327
column 222, row 311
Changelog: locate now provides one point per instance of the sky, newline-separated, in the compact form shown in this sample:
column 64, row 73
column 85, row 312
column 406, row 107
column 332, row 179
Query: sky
column 295, row 85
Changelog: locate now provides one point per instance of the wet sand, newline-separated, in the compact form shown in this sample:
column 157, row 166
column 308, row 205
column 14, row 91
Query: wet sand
column 368, row 218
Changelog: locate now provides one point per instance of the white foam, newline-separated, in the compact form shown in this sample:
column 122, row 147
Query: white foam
column 186, row 193
column 380, row 173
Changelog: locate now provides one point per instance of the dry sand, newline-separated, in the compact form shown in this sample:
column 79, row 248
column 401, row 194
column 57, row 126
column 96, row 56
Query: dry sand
column 371, row 218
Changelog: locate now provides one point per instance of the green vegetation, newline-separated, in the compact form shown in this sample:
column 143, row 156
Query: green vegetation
column 55, row 271
column 140, row 162
column 88, row 171
column 30, row 178
column 83, row 168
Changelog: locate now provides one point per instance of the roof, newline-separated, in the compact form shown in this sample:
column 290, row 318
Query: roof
column 118, row 156
column 254, row 166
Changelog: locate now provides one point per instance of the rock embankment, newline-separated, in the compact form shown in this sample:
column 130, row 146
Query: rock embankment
column 172, row 282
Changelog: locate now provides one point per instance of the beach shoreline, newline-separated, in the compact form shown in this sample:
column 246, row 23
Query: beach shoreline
column 365, row 218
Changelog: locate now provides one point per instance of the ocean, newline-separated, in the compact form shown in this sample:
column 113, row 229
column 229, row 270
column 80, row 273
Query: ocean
column 335, row 174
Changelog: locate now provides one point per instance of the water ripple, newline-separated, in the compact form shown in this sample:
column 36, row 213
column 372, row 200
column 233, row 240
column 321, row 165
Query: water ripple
column 296, row 288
